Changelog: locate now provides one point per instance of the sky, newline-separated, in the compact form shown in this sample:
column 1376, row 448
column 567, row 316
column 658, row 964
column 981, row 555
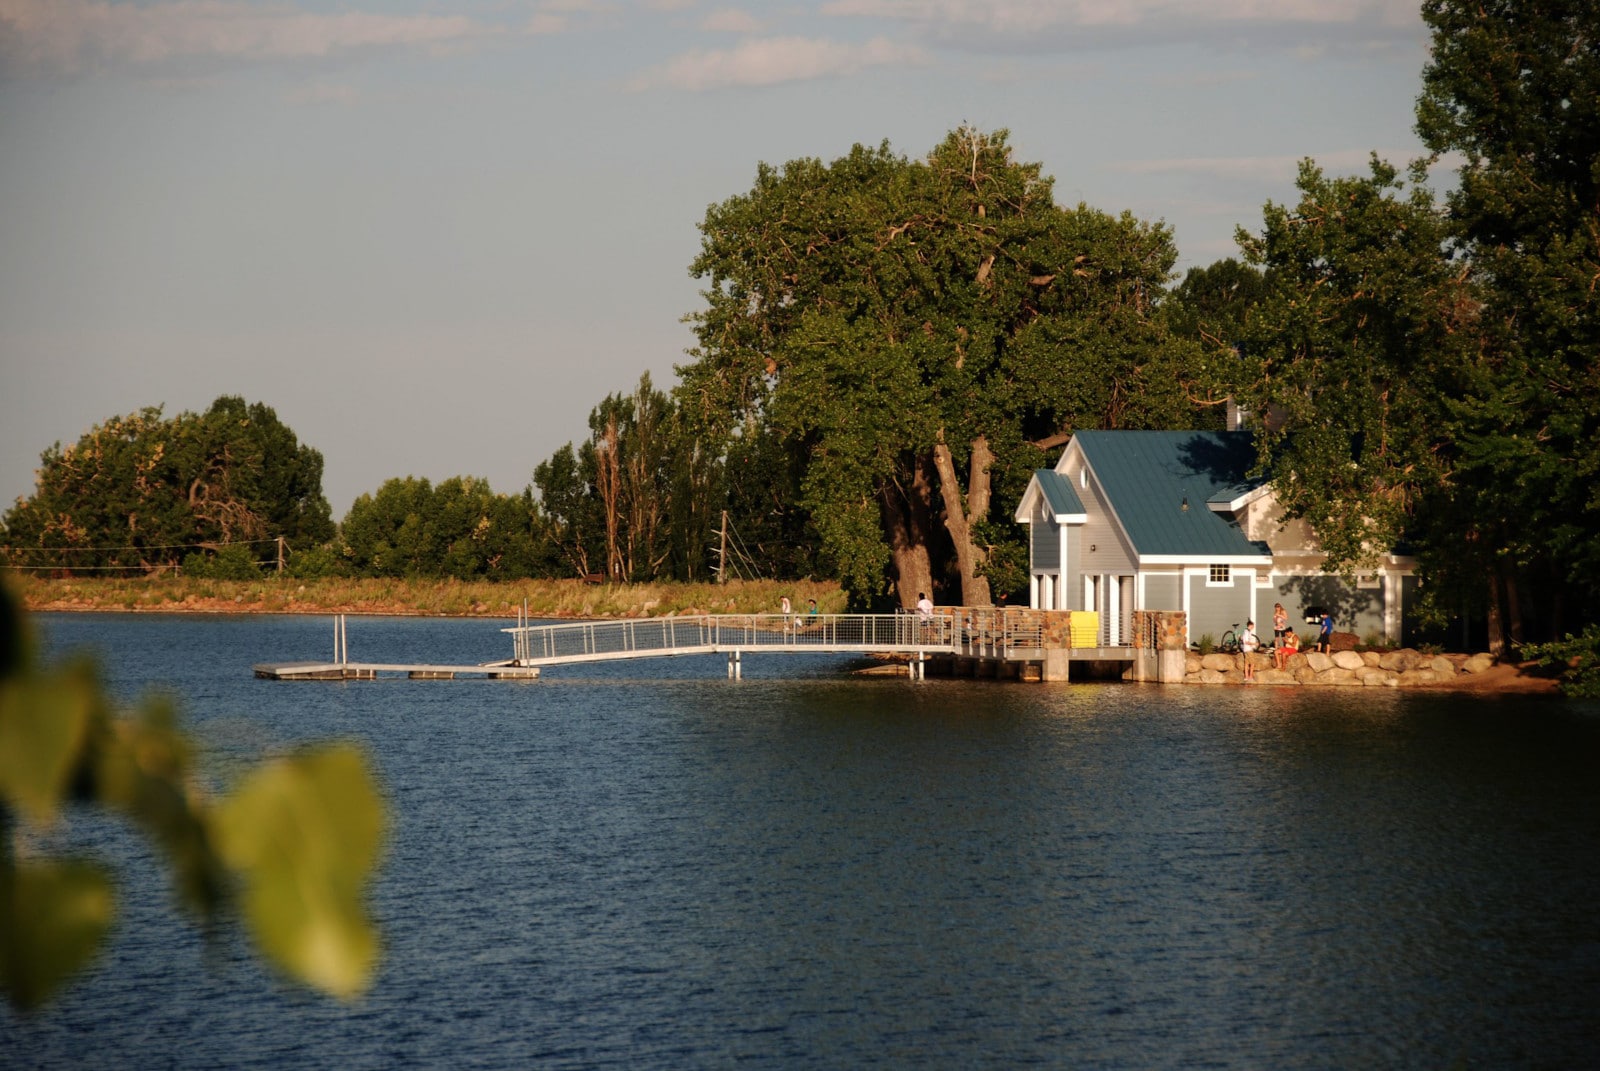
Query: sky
column 432, row 236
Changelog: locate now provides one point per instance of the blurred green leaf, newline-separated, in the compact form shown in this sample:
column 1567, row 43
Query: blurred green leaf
column 53, row 916
column 43, row 722
column 143, row 770
column 305, row 834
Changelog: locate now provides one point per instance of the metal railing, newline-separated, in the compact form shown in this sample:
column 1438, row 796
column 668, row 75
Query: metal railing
column 591, row 641
column 988, row 632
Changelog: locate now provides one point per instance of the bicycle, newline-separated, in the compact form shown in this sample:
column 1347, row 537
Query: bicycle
column 1229, row 644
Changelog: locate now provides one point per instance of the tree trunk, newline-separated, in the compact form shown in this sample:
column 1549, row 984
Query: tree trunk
column 1508, row 579
column 1497, row 631
column 908, row 520
column 959, row 516
column 608, row 479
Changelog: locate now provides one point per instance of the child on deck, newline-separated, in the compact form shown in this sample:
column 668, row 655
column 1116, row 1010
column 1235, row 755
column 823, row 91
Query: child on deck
column 1286, row 650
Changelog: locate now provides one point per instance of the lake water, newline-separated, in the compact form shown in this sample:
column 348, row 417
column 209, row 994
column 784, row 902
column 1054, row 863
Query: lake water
column 648, row 865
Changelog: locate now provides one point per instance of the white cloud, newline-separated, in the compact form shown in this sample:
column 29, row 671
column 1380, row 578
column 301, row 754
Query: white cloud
column 772, row 60
column 1035, row 23
column 730, row 20
column 68, row 35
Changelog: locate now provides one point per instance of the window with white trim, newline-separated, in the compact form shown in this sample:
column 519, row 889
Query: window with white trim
column 1219, row 576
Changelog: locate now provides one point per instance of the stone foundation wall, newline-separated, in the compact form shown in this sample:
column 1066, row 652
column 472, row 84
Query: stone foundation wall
column 1352, row 669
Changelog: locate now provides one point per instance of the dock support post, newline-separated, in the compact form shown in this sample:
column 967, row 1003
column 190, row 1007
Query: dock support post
column 735, row 669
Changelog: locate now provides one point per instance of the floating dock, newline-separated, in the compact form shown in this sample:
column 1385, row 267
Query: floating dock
column 367, row 671
column 342, row 669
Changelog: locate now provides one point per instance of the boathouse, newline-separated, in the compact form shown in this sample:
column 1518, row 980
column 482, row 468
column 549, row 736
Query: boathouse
column 1172, row 520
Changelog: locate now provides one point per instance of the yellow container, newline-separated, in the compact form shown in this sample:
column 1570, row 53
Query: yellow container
column 1085, row 628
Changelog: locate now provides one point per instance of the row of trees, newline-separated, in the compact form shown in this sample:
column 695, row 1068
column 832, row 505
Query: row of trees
column 1431, row 368
column 889, row 346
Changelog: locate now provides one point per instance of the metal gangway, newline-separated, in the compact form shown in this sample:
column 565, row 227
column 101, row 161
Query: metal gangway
column 734, row 634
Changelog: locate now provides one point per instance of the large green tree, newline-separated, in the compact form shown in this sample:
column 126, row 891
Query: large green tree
column 142, row 491
column 916, row 330
column 459, row 529
column 1513, row 86
column 1350, row 354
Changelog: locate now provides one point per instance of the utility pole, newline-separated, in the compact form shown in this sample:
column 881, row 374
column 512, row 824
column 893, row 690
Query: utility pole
column 722, row 551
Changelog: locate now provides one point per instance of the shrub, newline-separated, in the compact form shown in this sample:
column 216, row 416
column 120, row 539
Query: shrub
column 315, row 563
column 1578, row 658
column 1207, row 643
column 234, row 562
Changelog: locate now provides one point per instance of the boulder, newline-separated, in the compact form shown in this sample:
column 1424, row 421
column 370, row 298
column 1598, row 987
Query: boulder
column 1413, row 677
column 1213, row 676
column 1443, row 667
column 1477, row 663
column 1372, row 658
column 1191, row 663
column 1276, row 676
column 1402, row 660
column 1348, row 660
column 1318, row 662
column 1343, row 641
column 1373, row 676
column 1222, row 663
column 1339, row 677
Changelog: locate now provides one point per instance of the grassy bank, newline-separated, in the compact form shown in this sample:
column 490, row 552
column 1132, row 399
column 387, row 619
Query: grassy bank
column 437, row 598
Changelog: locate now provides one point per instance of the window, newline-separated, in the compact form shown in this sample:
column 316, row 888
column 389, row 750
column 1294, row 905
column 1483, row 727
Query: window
column 1083, row 478
column 1369, row 581
column 1219, row 577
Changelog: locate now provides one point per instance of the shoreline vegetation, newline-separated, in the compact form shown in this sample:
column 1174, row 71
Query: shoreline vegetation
column 502, row 599
column 417, row 598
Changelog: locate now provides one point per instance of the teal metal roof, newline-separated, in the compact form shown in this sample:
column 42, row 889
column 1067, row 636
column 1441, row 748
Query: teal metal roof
column 1148, row 476
column 1058, row 492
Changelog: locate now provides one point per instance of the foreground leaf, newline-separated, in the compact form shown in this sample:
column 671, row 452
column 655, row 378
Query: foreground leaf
column 53, row 917
column 305, row 834
column 43, row 722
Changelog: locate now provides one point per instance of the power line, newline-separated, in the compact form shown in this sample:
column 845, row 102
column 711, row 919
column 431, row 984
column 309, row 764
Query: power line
column 142, row 546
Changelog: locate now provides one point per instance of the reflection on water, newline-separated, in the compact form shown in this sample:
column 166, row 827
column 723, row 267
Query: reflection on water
column 646, row 864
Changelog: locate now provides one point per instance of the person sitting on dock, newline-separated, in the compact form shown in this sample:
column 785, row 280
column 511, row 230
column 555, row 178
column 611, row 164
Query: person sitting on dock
column 1249, row 644
column 1287, row 649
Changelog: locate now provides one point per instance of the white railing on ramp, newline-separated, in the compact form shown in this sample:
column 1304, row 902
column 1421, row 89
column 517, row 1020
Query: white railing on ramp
column 653, row 637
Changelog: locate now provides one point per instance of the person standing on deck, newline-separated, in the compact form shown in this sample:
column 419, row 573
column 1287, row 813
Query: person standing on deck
column 1249, row 644
column 1325, row 637
column 1280, row 623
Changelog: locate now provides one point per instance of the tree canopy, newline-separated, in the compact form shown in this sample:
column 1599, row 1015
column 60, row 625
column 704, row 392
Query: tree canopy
column 915, row 329
column 142, row 491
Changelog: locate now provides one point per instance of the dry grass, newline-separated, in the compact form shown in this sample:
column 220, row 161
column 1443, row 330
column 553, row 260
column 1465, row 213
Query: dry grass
column 433, row 598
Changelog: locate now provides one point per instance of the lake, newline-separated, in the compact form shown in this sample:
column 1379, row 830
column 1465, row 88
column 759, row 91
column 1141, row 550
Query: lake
column 645, row 864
